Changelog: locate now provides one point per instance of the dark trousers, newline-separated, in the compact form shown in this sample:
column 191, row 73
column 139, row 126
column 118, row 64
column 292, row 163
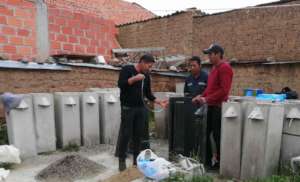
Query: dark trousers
column 213, row 126
column 133, row 126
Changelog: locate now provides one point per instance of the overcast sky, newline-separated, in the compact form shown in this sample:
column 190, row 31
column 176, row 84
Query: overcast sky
column 164, row 7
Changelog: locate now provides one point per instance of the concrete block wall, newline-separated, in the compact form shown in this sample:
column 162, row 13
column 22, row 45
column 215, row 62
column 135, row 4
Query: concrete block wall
column 17, row 29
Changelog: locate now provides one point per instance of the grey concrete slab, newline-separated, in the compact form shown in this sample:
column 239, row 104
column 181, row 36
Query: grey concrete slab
column 110, row 115
column 291, row 132
column 290, row 148
column 179, row 87
column 162, row 117
column 20, row 128
column 44, row 121
column 67, row 118
column 89, row 119
column 231, row 139
column 262, row 140
column 42, row 40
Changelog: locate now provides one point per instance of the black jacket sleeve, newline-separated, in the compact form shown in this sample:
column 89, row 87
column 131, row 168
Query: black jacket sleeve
column 124, row 75
column 147, row 90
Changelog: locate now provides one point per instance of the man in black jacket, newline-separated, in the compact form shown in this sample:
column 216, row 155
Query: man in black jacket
column 134, row 83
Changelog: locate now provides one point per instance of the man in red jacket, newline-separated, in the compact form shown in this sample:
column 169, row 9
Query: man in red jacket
column 216, row 92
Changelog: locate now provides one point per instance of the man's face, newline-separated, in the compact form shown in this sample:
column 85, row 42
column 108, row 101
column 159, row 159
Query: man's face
column 194, row 67
column 213, row 57
column 146, row 67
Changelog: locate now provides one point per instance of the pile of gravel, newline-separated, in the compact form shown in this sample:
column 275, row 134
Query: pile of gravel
column 70, row 168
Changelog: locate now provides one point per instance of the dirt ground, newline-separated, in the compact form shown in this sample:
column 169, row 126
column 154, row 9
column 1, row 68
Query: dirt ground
column 102, row 154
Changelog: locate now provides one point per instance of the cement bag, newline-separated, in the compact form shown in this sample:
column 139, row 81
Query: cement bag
column 9, row 154
column 3, row 174
column 152, row 166
column 191, row 167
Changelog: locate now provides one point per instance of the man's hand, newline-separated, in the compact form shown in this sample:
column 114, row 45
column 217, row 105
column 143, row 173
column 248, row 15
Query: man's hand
column 199, row 100
column 163, row 103
column 136, row 78
column 139, row 77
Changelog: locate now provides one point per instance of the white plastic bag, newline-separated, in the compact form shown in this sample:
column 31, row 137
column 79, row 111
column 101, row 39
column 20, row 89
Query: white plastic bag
column 9, row 154
column 3, row 174
column 152, row 166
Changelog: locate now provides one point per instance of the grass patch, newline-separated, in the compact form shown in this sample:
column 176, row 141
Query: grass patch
column 71, row 147
column 182, row 178
column 277, row 179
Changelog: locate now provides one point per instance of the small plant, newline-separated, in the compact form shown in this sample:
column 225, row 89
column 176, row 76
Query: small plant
column 71, row 147
column 3, row 133
column 7, row 165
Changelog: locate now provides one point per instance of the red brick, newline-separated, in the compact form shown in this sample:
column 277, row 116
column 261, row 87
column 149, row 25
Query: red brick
column 6, row 11
column 8, row 31
column 23, row 32
column 94, row 43
column 84, row 25
column 60, row 21
column 61, row 37
column 91, row 34
column 24, row 50
column 53, row 12
column 73, row 39
column 3, row 20
column 55, row 45
column 54, row 28
column 68, row 47
column 101, row 50
column 29, row 23
column 9, row 49
column 51, row 19
column 52, row 36
column 3, row 39
column 16, row 57
column 84, row 41
column 16, row 40
column 29, row 41
column 67, row 30
column 91, row 50
column 79, row 49
column 78, row 16
column 13, row 21
column 28, row 4
column 79, row 33
column 22, row 13
column 73, row 23
column 14, row 2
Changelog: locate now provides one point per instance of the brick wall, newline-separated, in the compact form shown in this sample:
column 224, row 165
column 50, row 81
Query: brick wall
column 247, row 34
column 70, row 32
column 174, row 33
column 78, row 79
column 80, row 33
column 271, row 78
column 17, row 29
column 119, row 11
column 253, row 34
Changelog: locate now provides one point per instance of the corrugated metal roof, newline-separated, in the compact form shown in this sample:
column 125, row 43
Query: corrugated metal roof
column 9, row 64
